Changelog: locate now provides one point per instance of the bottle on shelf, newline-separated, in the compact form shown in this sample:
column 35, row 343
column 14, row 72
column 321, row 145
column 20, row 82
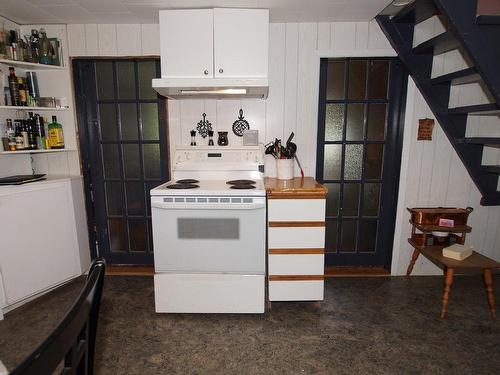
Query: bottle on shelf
column 46, row 51
column 55, row 134
column 40, row 132
column 13, row 46
column 35, row 46
column 32, row 86
column 13, row 87
column 24, row 131
column 28, row 50
column 19, row 135
column 11, row 135
column 31, row 132
column 23, row 97
column 20, row 45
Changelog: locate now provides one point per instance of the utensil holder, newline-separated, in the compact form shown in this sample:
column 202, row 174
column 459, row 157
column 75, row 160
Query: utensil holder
column 284, row 169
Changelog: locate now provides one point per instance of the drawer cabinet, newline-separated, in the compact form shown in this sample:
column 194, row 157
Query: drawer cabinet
column 296, row 239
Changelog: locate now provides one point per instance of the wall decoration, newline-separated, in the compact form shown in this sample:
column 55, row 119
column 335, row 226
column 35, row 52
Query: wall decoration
column 204, row 126
column 425, row 127
column 240, row 125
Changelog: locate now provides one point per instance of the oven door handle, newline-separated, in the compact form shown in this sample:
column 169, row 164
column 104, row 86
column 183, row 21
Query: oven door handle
column 208, row 206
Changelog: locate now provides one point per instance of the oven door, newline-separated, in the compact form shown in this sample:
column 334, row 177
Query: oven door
column 193, row 238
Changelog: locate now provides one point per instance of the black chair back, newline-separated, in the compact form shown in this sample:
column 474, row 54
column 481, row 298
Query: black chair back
column 70, row 347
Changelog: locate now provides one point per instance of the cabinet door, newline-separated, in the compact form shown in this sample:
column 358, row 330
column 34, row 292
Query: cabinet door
column 186, row 43
column 241, row 38
column 38, row 241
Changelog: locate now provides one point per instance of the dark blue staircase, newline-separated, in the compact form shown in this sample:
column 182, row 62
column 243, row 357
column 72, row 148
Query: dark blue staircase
column 479, row 38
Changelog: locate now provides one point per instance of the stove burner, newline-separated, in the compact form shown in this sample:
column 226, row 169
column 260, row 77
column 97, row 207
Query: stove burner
column 187, row 181
column 182, row 186
column 241, row 182
column 242, row 186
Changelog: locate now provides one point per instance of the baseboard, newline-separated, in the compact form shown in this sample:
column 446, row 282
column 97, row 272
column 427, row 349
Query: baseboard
column 130, row 270
column 356, row 272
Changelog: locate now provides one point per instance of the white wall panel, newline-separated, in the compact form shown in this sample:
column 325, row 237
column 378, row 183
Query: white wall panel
column 76, row 40
column 150, row 36
column 128, row 40
column 91, row 40
column 106, row 34
column 343, row 35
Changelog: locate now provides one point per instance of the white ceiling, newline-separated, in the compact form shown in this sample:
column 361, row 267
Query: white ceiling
column 146, row 11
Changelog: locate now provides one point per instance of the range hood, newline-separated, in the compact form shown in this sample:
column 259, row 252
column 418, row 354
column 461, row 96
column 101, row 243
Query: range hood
column 215, row 88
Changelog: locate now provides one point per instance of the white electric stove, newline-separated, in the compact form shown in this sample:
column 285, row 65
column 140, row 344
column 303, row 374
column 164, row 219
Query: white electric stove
column 209, row 226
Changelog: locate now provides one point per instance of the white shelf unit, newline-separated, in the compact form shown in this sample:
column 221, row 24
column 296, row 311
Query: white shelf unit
column 32, row 109
column 34, row 151
column 30, row 66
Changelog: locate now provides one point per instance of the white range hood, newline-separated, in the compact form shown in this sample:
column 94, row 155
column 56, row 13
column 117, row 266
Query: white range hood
column 216, row 88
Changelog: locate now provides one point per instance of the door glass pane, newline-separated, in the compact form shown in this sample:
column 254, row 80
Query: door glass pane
column 333, row 158
column 353, row 162
column 104, row 80
column 376, row 122
column 111, row 160
column 336, row 76
column 125, row 76
column 379, row 73
column 334, row 122
column 128, row 121
column 152, row 161
column 371, row 197
column 150, row 127
column 332, row 199
column 355, row 122
column 331, row 236
column 137, row 233
column 131, row 161
column 117, row 235
column 351, row 200
column 107, row 120
column 373, row 161
column 114, row 198
column 146, row 72
column 349, row 229
column 368, row 236
column 135, row 198
column 357, row 79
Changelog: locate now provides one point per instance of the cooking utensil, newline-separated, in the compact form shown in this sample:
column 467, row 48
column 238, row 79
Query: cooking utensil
column 300, row 166
column 240, row 125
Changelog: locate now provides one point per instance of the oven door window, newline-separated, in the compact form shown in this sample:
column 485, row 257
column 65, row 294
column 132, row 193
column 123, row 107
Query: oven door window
column 208, row 228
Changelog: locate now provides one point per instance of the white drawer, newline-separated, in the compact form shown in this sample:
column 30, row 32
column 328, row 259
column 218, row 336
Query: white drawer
column 303, row 290
column 296, row 264
column 296, row 237
column 296, row 209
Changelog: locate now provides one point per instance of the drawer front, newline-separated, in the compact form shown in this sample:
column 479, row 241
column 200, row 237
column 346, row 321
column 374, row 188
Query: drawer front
column 296, row 209
column 296, row 237
column 304, row 290
column 296, row 264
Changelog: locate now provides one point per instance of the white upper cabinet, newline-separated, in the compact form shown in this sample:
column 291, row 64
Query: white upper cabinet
column 186, row 43
column 214, row 43
column 241, row 42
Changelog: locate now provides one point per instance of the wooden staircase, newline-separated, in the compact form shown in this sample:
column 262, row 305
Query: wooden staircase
column 478, row 38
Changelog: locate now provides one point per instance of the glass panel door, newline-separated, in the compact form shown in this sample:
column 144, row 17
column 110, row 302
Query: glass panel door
column 360, row 101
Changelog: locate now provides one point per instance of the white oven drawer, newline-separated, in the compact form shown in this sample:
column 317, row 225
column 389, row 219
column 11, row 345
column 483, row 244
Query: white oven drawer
column 296, row 264
column 296, row 209
column 296, row 237
column 300, row 290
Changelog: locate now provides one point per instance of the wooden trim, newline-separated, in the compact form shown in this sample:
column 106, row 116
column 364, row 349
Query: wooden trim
column 130, row 271
column 295, row 196
column 296, row 251
column 296, row 278
column 274, row 224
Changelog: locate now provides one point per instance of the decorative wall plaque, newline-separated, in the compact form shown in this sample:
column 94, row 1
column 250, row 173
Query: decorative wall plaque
column 425, row 127
column 204, row 126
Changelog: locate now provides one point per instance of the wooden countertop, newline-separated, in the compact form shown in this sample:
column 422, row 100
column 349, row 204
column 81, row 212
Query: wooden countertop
column 297, row 188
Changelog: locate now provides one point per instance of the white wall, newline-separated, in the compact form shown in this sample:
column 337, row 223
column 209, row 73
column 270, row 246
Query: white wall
column 431, row 174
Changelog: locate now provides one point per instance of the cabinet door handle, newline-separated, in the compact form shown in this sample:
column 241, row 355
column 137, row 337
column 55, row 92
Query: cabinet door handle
column 206, row 72
column 221, row 70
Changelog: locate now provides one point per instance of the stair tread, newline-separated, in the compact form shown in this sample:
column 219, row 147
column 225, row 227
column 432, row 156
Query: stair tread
column 488, row 19
column 482, row 140
column 439, row 44
column 491, row 199
column 491, row 168
column 459, row 77
column 481, row 109
column 416, row 12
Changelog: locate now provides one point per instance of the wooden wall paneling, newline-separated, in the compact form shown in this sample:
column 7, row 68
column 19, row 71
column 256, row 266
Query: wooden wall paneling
column 174, row 125
column 291, row 71
column 106, row 34
column 91, row 40
column 324, row 34
column 227, row 113
column 440, row 170
column 191, row 111
column 128, row 40
column 376, row 38
column 210, row 108
column 254, row 111
column 361, row 35
column 76, row 40
column 343, row 36
column 150, row 39
column 478, row 220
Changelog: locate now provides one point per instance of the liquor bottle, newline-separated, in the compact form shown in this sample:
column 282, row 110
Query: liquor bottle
column 13, row 45
column 23, row 97
column 19, row 136
column 40, row 132
column 13, row 87
column 31, row 132
column 11, row 135
column 46, row 54
column 24, row 131
column 55, row 132
column 35, row 46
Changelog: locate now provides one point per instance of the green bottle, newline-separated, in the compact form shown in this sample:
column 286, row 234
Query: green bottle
column 56, row 137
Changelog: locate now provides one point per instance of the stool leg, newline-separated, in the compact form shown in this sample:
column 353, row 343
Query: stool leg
column 448, row 280
column 488, row 280
column 414, row 257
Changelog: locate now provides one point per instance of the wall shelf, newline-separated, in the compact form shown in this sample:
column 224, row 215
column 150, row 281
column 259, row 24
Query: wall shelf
column 28, row 109
column 34, row 151
column 32, row 66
